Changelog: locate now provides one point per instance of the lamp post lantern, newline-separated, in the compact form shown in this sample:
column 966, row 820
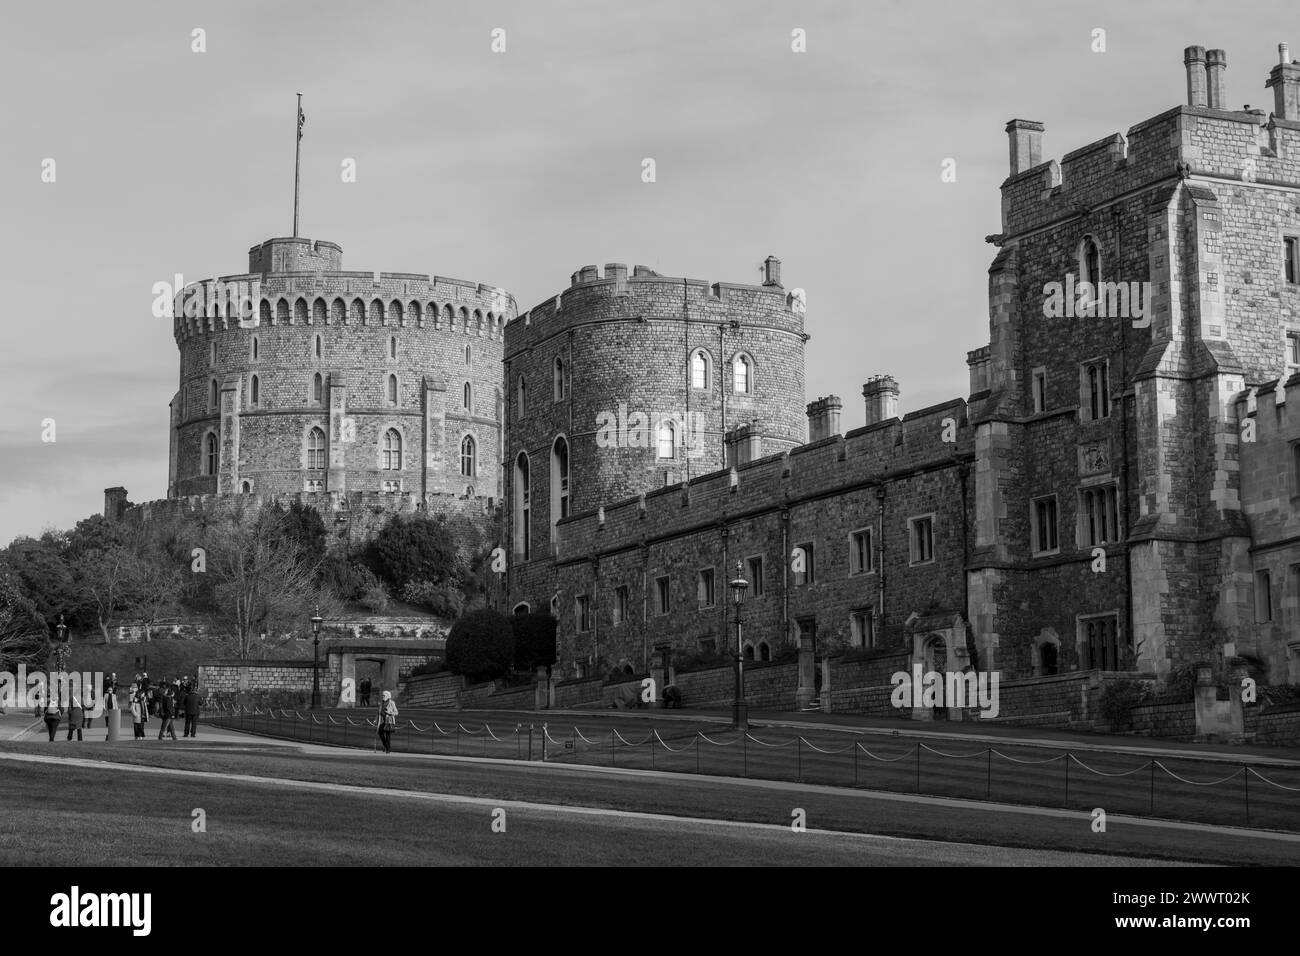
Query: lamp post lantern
column 315, row 658
column 739, row 709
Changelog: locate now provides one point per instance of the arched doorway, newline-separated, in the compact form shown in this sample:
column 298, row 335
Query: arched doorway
column 935, row 652
column 1047, row 659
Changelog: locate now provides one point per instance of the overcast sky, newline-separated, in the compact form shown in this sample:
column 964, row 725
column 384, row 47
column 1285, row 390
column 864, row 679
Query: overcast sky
column 517, row 168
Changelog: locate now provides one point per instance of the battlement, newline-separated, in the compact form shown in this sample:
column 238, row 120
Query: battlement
column 652, row 295
column 871, row 455
column 294, row 255
column 1203, row 137
column 1266, row 403
column 341, row 298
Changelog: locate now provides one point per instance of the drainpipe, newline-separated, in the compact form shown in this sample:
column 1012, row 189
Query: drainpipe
column 963, row 472
column 722, row 389
column 785, row 572
column 1121, row 506
column 880, row 564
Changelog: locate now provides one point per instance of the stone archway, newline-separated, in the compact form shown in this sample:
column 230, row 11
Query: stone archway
column 940, row 650
column 1047, row 653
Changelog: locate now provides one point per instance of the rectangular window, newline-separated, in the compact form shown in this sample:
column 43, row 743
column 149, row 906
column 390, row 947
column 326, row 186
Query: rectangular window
column 862, row 628
column 802, row 564
column 1263, row 597
column 661, row 589
column 860, row 556
column 1099, row 643
column 1293, row 349
column 1040, row 389
column 704, row 587
column 1290, row 262
column 582, row 612
column 1098, row 515
column 620, row 604
column 1042, row 520
column 755, row 568
column 921, row 539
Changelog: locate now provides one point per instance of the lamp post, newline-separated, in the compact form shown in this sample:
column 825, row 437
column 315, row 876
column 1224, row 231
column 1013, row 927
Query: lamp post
column 60, row 659
column 315, row 659
column 739, row 709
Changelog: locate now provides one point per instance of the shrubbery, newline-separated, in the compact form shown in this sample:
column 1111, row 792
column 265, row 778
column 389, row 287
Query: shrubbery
column 413, row 549
column 534, row 640
column 481, row 646
column 1118, row 698
column 444, row 600
column 375, row 599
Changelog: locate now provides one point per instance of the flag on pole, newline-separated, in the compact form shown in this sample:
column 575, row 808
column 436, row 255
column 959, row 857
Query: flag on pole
column 302, row 118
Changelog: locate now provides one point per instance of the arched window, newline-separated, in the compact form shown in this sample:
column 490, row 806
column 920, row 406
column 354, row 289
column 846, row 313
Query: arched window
column 468, row 397
column 467, row 456
column 522, row 493
column 559, row 482
column 247, row 487
column 395, row 311
column 435, row 313
column 317, row 388
column 417, row 312
column 254, row 392
column 300, row 312
column 464, row 319
column 318, row 312
column 448, row 314
column 1089, row 261
column 392, row 450
column 317, row 346
column 521, row 397
column 376, row 316
column 667, row 440
column 700, row 369
column 469, row 355
column 392, row 346
column 764, row 652
column 211, row 449
column 559, row 377
column 358, row 312
column 316, row 448
column 264, row 312
column 281, row 311
column 339, row 312
column 743, row 375
column 253, row 348
column 213, row 397
column 392, row 390
column 523, row 608
column 749, row 652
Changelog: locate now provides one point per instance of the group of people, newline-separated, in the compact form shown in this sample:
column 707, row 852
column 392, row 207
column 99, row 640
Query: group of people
column 165, row 700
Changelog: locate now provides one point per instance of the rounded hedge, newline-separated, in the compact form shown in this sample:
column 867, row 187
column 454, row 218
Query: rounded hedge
column 481, row 646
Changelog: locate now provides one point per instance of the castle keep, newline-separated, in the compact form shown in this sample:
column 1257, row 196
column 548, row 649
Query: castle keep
column 1115, row 494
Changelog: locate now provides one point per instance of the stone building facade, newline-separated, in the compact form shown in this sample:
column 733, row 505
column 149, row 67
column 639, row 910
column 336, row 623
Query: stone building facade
column 1097, row 502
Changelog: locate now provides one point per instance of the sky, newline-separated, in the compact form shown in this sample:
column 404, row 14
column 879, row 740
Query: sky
column 516, row 168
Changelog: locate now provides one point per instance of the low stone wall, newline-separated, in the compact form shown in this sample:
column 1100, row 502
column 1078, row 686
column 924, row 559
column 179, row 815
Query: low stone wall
column 1165, row 720
column 1278, row 725
column 576, row 693
column 441, row 691
column 230, row 682
column 767, row 686
column 865, row 686
column 389, row 628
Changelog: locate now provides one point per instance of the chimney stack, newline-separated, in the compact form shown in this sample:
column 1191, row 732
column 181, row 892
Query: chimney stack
column 1216, row 61
column 1285, row 83
column 772, row 271
column 881, row 393
column 1026, row 138
column 824, row 417
column 1194, row 60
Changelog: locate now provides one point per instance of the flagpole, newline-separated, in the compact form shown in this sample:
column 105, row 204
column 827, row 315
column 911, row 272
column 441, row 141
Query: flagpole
column 297, row 163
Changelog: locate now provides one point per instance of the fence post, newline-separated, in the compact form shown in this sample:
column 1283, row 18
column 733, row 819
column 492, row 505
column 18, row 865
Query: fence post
column 612, row 761
column 798, row 758
column 1246, row 780
column 345, row 730
column 744, row 753
column 918, row 768
column 530, row 743
column 697, row 751
column 988, row 782
column 855, row 762
column 652, row 748
column 458, row 738
column 1067, row 779
column 1153, row 788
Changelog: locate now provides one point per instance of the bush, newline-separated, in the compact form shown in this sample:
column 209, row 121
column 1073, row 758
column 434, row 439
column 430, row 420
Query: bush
column 534, row 640
column 481, row 646
column 375, row 599
column 1118, row 698
column 347, row 580
column 414, row 549
column 441, row 599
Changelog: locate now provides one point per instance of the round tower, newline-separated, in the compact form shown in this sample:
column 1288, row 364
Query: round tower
column 298, row 376
column 625, row 383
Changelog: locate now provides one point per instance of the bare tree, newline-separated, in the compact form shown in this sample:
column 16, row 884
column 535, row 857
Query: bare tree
column 24, row 638
column 259, row 579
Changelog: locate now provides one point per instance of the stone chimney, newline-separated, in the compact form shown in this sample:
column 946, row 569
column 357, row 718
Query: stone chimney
column 1194, row 60
column 1216, row 62
column 881, row 393
column 1026, row 138
column 772, row 271
column 1285, row 83
column 824, row 417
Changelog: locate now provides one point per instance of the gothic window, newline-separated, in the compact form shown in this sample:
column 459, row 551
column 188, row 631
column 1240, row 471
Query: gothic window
column 338, row 312
column 316, row 448
column 318, row 312
column 391, row 392
column 467, row 456
column 211, row 449
column 300, row 312
column 522, row 502
column 742, row 375
column 667, row 441
column 700, row 369
column 560, row 379
column 254, row 392
column 317, row 388
column 392, row 450
column 467, row 396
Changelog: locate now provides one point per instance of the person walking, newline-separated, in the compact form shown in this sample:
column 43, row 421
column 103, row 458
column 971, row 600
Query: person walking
column 76, row 717
column 387, row 721
column 365, row 692
column 190, row 706
column 166, row 712
column 137, row 712
column 51, row 712
column 110, row 697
